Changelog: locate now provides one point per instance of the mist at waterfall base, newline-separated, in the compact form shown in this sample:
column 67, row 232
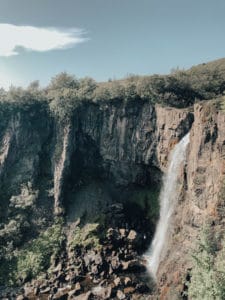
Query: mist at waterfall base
column 168, row 198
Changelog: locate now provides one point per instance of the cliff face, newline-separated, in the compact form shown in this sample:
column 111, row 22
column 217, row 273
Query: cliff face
column 172, row 125
column 124, row 144
column 25, row 157
column 201, row 199
column 134, row 136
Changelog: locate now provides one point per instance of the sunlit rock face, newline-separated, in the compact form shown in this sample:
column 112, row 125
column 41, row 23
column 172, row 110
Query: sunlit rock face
column 202, row 197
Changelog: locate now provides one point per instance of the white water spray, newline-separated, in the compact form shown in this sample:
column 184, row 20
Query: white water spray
column 168, row 199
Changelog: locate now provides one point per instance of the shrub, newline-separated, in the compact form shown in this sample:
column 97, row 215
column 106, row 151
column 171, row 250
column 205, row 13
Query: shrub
column 25, row 199
column 36, row 256
column 86, row 89
column 208, row 273
column 65, row 94
column 86, row 237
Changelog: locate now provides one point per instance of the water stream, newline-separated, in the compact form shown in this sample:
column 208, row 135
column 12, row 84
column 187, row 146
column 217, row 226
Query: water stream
column 168, row 199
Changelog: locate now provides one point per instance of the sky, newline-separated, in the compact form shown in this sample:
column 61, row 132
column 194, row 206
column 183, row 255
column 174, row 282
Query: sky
column 106, row 38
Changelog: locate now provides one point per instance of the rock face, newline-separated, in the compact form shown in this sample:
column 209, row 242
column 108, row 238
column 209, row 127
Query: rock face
column 172, row 124
column 202, row 197
column 25, row 157
column 128, row 143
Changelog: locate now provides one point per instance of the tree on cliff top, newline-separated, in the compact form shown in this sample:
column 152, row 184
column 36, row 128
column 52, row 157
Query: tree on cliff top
column 62, row 94
column 65, row 92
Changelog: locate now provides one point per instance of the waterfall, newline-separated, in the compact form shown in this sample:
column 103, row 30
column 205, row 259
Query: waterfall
column 168, row 198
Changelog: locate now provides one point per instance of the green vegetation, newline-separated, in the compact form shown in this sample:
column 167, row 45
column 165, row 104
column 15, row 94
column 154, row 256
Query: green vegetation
column 147, row 199
column 208, row 272
column 86, row 237
column 18, row 222
column 62, row 94
column 28, row 262
column 21, row 260
column 66, row 93
column 37, row 255
column 25, row 199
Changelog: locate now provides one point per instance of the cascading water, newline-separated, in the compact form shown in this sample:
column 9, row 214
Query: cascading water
column 168, row 199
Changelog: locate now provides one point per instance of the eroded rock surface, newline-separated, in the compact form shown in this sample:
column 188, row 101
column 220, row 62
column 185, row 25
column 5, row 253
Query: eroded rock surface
column 202, row 197
column 126, row 144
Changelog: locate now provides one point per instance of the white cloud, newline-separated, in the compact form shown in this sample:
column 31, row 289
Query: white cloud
column 39, row 39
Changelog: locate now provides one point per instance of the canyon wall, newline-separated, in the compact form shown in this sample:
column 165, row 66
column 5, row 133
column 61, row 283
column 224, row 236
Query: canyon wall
column 128, row 143
column 125, row 143
column 201, row 198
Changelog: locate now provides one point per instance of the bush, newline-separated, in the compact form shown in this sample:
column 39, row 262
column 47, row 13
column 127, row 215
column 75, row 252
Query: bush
column 18, row 222
column 87, row 88
column 65, row 92
column 208, row 272
column 63, row 103
column 86, row 237
column 36, row 257
column 23, row 264
column 62, row 94
column 25, row 199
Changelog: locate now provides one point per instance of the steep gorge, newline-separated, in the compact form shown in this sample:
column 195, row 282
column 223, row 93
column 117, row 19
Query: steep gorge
column 120, row 146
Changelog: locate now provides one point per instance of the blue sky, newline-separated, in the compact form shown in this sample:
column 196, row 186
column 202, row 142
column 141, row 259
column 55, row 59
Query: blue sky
column 117, row 37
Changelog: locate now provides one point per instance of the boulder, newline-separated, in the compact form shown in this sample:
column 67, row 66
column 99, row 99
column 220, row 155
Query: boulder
column 75, row 291
column 45, row 290
column 117, row 281
column 84, row 296
column 133, row 265
column 115, row 263
column 132, row 235
column 120, row 295
column 102, row 292
column 20, row 297
column 127, row 281
column 28, row 291
column 122, row 232
column 128, row 290
column 62, row 293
